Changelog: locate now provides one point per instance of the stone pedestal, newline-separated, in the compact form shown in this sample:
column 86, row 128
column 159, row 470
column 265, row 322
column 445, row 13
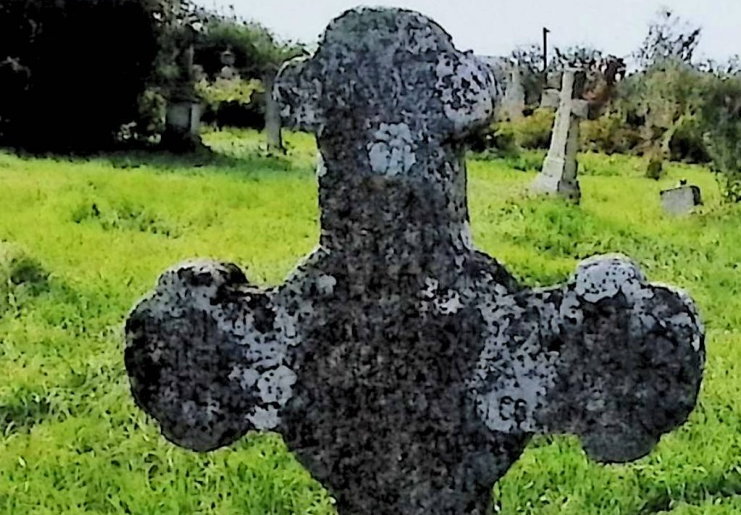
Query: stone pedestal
column 183, row 123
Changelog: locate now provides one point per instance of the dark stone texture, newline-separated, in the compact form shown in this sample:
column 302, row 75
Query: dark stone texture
column 404, row 368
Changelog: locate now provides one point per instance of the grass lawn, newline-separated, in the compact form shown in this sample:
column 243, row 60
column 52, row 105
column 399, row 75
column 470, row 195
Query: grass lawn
column 91, row 237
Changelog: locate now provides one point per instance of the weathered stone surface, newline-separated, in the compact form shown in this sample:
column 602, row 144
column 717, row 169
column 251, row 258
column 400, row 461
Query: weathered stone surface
column 681, row 200
column 550, row 99
column 513, row 103
column 559, row 173
column 404, row 368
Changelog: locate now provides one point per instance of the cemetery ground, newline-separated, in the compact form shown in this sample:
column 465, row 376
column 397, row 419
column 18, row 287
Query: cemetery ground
column 86, row 239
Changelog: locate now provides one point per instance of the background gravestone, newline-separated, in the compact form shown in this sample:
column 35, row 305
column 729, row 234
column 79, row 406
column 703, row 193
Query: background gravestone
column 404, row 368
column 513, row 104
column 551, row 96
column 184, row 110
column 682, row 199
column 559, row 173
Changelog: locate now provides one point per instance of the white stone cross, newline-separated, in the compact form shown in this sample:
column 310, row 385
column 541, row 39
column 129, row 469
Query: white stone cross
column 559, row 173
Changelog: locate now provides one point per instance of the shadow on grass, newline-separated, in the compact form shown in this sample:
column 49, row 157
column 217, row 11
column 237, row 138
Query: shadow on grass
column 130, row 157
column 203, row 157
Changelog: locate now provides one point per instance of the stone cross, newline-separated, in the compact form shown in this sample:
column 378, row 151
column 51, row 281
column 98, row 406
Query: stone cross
column 558, row 175
column 406, row 369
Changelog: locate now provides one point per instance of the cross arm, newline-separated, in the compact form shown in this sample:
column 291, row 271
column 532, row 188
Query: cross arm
column 206, row 354
column 608, row 357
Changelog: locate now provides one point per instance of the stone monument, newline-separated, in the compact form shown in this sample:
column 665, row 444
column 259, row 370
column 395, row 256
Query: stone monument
column 682, row 199
column 184, row 110
column 513, row 104
column 406, row 369
column 558, row 175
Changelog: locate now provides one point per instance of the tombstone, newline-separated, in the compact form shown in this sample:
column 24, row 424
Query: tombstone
column 558, row 175
column 550, row 99
column 551, row 96
column 404, row 368
column 513, row 104
column 682, row 199
column 199, row 74
column 183, row 119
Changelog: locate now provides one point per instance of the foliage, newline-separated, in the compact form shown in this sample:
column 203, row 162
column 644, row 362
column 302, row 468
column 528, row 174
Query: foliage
column 721, row 118
column 603, row 71
column 72, row 440
column 531, row 132
column 609, row 134
column 529, row 59
column 669, row 38
column 256, row 49
column 667, row 96
column 72, row 71
column 232, row 102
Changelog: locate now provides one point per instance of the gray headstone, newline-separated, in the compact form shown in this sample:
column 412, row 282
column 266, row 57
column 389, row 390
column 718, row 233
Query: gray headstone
column 550, row 99
column 559, row 173
column 184, row 117
column 681, row 200
column 513, row 104
column 406, row 369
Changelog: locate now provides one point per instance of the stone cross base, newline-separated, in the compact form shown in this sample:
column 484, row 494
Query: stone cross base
column 183, row 123
column 552, row 180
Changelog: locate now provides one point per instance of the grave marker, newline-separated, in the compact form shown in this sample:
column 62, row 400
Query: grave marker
column 682, row 199
column 406, row 369
column 559, row 173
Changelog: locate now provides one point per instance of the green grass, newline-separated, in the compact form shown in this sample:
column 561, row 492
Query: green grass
column 91, row 237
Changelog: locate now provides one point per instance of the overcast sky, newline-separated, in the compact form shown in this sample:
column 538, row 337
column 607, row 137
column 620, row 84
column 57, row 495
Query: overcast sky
column 495, row 27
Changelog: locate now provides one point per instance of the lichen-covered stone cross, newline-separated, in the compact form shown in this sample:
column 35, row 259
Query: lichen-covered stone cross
column 405, row 369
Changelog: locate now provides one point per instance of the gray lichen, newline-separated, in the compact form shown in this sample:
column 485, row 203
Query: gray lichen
column 404, row 368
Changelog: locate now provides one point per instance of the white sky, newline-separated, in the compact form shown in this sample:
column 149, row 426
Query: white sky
column 495, row 27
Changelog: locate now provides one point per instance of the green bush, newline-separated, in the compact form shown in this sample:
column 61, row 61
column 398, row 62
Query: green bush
column 506, row 138
column 533, row 132
column 233, row 103
column 721, row 119
column 497, row 140
column 152, row 111
column 609, row 134
column 688, row 143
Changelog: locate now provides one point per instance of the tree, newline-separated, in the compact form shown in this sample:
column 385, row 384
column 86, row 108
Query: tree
column 668, row 87
column 603, row 73
column 669, row 38
column 258, row 55
column 73, row 70
column 529, row 60
column 721, row 120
